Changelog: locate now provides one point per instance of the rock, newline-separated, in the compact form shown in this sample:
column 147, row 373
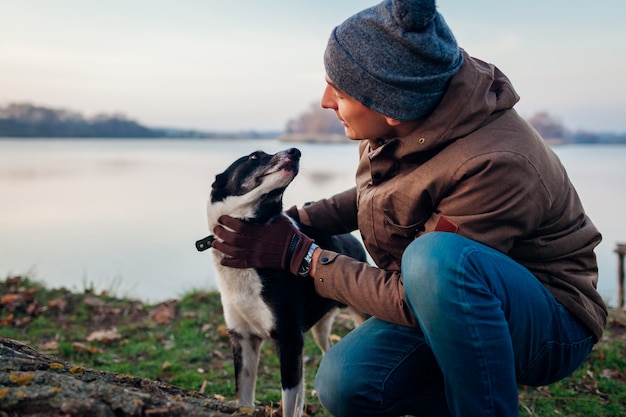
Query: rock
column 33, row 384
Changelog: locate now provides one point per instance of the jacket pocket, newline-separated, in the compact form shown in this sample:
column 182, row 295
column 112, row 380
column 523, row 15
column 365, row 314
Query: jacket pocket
column 395, row 231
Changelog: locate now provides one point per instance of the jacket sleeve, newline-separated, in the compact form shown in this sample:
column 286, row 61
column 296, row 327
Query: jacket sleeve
column 369, row 289
column 334, row 215
column 372, row 290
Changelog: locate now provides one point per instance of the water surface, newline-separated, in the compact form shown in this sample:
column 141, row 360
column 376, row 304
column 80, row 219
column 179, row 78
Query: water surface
column 124, row 214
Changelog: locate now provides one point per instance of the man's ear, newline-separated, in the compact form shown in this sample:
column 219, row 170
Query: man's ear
column 392, row 122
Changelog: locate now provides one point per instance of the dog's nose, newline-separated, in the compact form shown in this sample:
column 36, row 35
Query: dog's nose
column 294, row 153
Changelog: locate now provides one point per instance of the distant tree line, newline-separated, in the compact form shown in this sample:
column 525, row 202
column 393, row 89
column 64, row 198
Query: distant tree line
column 24, row 120
column 27, row 120
column 554, row 131
column 315, row 120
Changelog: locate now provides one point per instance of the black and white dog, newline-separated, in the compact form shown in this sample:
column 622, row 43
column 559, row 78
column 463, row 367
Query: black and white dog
column 269, row 304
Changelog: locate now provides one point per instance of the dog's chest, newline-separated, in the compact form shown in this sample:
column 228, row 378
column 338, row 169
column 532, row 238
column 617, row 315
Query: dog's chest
column 241, row 290
column 245, row 310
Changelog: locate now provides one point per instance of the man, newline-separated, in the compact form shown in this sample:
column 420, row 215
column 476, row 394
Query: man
column 485, row 273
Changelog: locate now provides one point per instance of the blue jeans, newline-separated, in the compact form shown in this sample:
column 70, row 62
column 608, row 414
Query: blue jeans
column 486, row 324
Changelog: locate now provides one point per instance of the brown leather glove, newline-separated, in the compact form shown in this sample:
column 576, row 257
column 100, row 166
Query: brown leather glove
column 276, row 245
column 293, row 213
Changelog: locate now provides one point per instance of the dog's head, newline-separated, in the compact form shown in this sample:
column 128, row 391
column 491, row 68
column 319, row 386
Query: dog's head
column 252, row 187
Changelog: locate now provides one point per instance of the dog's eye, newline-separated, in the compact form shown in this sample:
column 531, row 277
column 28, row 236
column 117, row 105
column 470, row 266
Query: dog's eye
column 253, row 156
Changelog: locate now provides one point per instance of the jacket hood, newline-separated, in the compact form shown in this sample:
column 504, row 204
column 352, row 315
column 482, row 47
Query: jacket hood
column 477, row 93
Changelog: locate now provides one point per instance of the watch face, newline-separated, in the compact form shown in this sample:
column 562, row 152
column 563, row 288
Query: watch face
column 305, row 267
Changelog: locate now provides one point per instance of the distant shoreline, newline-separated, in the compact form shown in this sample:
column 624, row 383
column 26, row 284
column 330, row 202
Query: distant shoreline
column 27, row 121
column 287, row 138
column 313, row 138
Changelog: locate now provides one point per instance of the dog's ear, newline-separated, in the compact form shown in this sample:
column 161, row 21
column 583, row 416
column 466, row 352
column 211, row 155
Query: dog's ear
column 218, row 188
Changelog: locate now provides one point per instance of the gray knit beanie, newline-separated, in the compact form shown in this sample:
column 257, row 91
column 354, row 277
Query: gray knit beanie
column 395, row 58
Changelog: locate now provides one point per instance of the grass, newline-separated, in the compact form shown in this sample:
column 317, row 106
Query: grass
column 185, row 343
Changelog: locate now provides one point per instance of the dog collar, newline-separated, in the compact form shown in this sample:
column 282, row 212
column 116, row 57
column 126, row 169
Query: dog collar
column 205, row 243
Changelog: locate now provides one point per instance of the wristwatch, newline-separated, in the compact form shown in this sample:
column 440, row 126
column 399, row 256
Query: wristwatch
column 305, row 266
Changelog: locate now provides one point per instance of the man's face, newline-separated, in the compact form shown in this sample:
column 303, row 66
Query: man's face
column 359, row 122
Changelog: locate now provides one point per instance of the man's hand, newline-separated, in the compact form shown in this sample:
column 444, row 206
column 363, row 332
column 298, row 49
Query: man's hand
column 276, row 245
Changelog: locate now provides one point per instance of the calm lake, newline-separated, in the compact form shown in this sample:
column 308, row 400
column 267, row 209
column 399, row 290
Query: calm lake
column 123, row 215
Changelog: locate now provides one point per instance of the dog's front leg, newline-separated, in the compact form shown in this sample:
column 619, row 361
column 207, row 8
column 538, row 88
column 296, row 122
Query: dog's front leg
column 246, row 350
column 292, row 373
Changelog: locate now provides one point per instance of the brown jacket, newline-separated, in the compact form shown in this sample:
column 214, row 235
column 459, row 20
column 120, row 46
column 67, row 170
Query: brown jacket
column 476, row 168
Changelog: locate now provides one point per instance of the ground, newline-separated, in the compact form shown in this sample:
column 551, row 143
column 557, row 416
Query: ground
column 183, row 344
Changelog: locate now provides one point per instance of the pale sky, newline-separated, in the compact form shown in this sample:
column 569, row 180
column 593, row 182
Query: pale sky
column 249, row 64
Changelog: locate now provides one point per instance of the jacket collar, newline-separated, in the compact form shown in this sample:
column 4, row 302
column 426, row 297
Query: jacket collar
column 477, row 93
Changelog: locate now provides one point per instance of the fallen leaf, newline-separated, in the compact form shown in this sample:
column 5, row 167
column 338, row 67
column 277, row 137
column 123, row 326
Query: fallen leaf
column 31, row 309
column 51, row 345
column 58, row 303
column 617, row 322
column 609, row 374
column 11, row 299
column 14, row 301
column 614, row 374
column 23, row 321
column 222, row 331
column 31, row 291
column 83, row 347
column 163, row 313
column 104, row 336
column 7, row 321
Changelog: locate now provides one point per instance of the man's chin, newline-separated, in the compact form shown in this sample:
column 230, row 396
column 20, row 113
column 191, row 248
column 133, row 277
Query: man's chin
column 351, row 135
